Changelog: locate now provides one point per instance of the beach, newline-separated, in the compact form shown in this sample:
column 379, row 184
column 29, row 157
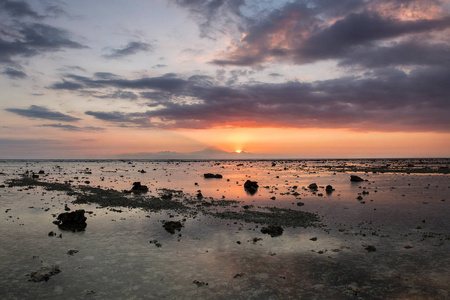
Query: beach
column 385, row 235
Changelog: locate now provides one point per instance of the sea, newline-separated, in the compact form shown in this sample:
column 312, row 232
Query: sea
column 309, row 230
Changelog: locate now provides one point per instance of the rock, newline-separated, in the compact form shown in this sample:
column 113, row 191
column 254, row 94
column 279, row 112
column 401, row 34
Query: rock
column 210, row 175
column 74, row 221
column 138, row 188
column 200, row 283
column 313, row 186
column 359, row 197
column 41, row 172
column 251, row 186
column 142, row 171
column 72, row 252
column 354, row 178
column 329, row 189
column 44, row 273
column 371, row 248
column 272, row 230
column 171, row 226
column 300, row 203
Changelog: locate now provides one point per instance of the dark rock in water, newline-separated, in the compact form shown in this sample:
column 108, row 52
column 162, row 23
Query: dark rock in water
column 51, row 233
column 142, row 171
column 199, row 195
column 359, row 197
column 329, row 189
column 273, row 230
column 354, row 178
column 200, row 283
column 72, row 252
column 138, row 188
column 44, row 273
column 74, row 221
column 300, row 203
column 34, row 176
column 210, row 175
column 171, row 226
column 371, row 248
column 41, row 172
column 313, row 186
column 251, row 186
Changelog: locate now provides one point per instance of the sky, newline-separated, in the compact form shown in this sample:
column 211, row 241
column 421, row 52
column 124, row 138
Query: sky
column 294, row 79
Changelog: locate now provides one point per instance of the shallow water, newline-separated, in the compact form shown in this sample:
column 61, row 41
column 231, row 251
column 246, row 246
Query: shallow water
column 117, row 261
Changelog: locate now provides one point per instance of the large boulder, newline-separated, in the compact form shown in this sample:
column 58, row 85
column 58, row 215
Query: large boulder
column 251, row 186
column 74, row 221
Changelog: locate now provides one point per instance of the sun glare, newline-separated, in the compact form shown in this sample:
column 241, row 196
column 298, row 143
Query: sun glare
column 238, row 151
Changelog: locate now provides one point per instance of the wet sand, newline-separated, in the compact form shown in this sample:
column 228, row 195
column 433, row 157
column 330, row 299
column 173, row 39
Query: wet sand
column 191, row 237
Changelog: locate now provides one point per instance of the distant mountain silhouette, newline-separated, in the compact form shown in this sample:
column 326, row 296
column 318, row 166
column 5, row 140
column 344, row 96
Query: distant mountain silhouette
column 208, row 153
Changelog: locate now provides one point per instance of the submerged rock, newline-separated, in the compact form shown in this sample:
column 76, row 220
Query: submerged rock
column 74, row 221
column 171, row 226
column 44, row 273
column 354, row 178
column 273, row 230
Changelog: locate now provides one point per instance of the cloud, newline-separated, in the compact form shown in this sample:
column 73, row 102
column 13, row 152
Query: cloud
column 138, row 119
column 129, row 49
column 66, row 85
column 119, row 94
column 27, row 40
column 18, row 9
column 305, row 32
column 386, row 99
column 14, row 74
column 72, row 127
column 213, row 15
column 40, row 112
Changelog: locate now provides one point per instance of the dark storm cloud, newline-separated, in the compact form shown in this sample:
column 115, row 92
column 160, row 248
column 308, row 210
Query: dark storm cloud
column 386, row 99
column 41, row 112
column 14, row 74
column 407, row 53
column 309, row 31
column 72, row 127
column 130, row 49
column 359, row 30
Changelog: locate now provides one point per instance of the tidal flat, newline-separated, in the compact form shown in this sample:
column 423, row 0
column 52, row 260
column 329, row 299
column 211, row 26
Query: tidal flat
column 191, row 236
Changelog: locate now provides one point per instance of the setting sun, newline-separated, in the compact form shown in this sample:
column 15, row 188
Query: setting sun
column 238, row 151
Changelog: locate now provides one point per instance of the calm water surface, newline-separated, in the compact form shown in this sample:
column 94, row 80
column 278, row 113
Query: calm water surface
column 404, row 216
